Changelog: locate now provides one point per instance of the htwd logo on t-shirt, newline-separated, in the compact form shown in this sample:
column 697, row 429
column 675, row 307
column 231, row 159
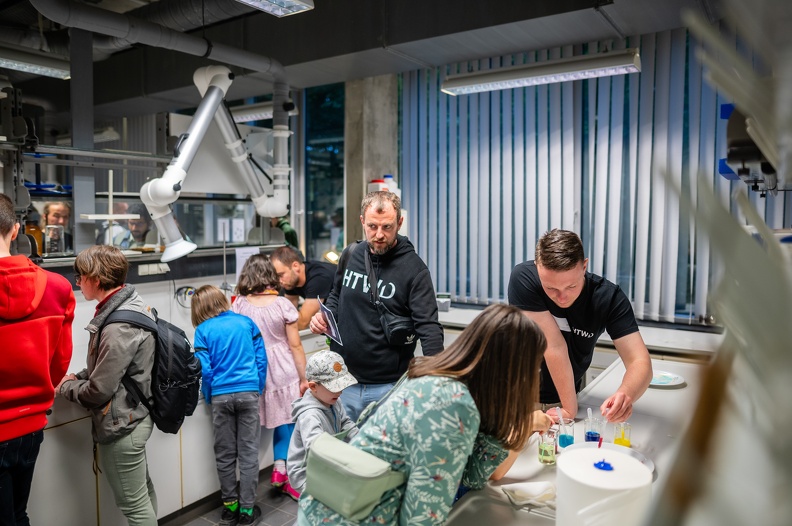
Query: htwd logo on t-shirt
column 352, row 278
column 563, row 325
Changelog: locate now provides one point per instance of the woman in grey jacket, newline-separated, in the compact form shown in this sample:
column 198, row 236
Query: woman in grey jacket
column 119, row 428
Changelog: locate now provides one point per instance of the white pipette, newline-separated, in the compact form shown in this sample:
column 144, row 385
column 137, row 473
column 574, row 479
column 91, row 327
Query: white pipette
column 560, row 420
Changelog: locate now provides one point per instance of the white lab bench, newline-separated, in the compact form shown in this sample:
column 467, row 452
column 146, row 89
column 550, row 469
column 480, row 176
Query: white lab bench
column 659, row 421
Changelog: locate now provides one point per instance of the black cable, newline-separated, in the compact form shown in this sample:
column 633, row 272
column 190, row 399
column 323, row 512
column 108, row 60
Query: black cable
column 253, row 160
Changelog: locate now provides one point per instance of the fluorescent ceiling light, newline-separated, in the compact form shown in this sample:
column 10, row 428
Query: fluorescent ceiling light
column 30, row 62
column 548, row 72
column 261, row 111
column 280, row 8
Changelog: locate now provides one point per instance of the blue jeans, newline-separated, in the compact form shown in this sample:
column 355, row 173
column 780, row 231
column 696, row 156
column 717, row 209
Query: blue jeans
column 17, row 461
column 237, row 432
column 123, row 462
column 356, row 398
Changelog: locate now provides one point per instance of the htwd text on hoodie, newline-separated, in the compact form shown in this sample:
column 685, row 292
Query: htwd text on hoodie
column 405, row 288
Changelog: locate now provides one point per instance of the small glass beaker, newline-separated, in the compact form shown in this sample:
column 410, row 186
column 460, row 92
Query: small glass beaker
column 547, row 446
column 566, row 433
column 593, row 427
column 54, row 240
column 621, row 434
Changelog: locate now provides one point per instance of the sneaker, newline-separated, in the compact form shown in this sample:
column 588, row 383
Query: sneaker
column 228, row 517
column 291, row 492
column 278, row 478
column 252, row 519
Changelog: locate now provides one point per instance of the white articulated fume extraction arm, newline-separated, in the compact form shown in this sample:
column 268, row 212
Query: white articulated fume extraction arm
column 158, row 194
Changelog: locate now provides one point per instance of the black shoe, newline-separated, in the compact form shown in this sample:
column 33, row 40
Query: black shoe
column 228, row 517
column 252, row 519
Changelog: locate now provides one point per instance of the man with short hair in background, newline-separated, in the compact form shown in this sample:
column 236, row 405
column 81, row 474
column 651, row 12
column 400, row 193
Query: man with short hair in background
column 310, row 280
column 142, row 233
column 36, row 314
column 58, row 213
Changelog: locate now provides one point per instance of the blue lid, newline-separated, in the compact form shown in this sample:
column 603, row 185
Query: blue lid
column 603, row 465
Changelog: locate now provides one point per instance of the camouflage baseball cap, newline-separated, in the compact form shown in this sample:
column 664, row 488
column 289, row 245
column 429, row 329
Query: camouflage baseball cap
column 328, row 369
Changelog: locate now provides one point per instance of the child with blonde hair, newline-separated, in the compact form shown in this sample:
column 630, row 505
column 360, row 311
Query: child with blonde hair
column 234, row 369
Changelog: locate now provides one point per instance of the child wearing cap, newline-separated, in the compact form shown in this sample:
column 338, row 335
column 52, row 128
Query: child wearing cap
column 318, row 411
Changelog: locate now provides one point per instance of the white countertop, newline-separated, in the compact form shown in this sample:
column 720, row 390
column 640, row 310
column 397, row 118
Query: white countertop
column 659, row 420
column 656, row 338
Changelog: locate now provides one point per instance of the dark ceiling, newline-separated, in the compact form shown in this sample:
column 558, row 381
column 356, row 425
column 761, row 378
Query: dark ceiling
column 339, row 40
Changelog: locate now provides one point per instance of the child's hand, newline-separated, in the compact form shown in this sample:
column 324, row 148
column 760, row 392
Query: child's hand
column 540, row 421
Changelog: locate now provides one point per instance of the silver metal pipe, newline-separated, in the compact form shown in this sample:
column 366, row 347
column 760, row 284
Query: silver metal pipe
column 237, row 151
column 190, row 141
column 89, row 164
column 103, row 154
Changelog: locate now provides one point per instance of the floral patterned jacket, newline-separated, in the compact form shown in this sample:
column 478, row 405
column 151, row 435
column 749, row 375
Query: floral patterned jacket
column 428, row 429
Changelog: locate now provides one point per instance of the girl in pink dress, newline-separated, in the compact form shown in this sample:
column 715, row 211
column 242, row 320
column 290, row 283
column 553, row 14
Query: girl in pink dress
column 276, row 317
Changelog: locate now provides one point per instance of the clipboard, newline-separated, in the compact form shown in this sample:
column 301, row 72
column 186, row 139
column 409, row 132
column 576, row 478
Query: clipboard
column 332, row 327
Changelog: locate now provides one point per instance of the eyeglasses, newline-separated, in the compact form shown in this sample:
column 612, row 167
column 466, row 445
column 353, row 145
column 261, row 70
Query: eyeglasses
column 77, row 278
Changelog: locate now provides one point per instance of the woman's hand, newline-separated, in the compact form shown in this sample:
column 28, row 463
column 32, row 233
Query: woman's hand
column 66, row 378
column 540, row 421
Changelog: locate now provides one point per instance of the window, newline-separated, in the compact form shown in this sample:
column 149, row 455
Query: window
column 324, row 170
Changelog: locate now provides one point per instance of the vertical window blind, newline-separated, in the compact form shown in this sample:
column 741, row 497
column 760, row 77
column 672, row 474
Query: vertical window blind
column 485, row 175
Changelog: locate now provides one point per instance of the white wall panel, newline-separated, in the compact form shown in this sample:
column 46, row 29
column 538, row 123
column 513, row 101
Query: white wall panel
column 491, row 248
column 63, row 489
column 542, row 155
column 569, row 145
column 555, row 147
column 615, row 174
column 504, row 199
column 599, row 177
column 521, row 204
column 443, row 183
column 480, row 255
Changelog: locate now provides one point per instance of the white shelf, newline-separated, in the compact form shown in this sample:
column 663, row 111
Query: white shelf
column 109, row 216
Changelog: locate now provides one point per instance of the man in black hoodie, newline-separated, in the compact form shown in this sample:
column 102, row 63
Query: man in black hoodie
column 405, row 288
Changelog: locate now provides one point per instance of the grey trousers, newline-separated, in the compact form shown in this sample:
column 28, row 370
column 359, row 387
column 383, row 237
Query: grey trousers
column 123, row 462
column 237, row 432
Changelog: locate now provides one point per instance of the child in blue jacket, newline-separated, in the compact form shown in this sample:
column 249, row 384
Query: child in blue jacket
column 234, row 369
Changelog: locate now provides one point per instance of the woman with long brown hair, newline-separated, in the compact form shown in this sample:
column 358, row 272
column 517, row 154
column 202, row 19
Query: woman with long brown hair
column 454, row 420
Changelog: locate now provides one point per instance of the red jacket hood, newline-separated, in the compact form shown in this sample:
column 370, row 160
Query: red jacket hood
column 21, row 287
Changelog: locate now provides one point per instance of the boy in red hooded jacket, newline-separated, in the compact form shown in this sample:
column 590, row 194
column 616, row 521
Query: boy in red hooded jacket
column 36, row 313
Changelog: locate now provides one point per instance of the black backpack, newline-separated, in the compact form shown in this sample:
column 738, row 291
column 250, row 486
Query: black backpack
column 174, row 377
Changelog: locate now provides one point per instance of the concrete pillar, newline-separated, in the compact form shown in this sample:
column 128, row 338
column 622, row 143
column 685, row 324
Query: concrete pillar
column 84, row 188
column 371, row 127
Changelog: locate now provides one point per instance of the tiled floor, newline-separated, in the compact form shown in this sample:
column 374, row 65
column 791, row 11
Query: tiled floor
column 277, row 509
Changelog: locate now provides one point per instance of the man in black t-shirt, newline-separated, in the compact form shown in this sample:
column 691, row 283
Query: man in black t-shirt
column 574, row 307
column 303, row 279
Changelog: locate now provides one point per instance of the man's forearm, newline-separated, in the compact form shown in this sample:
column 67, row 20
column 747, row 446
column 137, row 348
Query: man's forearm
column 560, row 369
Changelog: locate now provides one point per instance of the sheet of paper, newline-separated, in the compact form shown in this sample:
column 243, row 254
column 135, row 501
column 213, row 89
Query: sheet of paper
column 242, row 255
column 332, row 328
